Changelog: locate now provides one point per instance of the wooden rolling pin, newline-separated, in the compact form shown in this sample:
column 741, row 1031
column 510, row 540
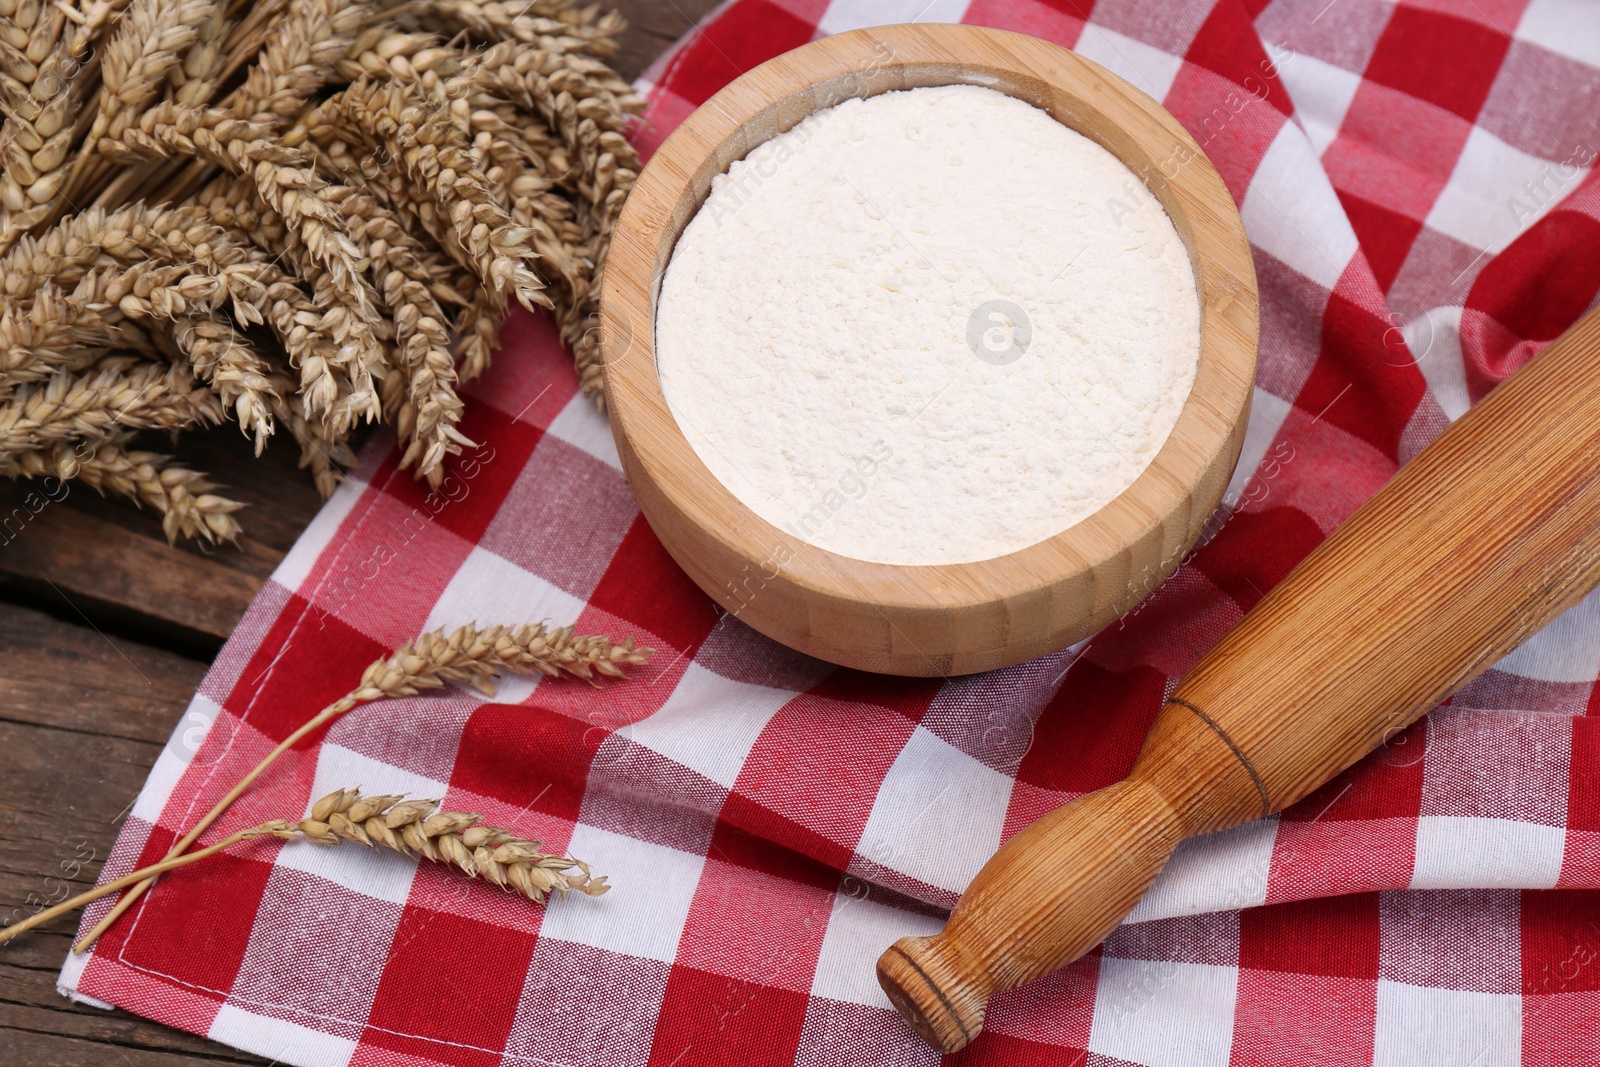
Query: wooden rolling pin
column 1480, row 540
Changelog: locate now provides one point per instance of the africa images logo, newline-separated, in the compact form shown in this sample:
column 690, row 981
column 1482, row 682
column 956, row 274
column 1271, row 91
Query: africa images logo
column 998, row 332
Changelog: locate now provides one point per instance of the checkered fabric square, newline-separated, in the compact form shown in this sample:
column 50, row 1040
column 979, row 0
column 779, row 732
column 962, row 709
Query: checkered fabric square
column 1415, row 180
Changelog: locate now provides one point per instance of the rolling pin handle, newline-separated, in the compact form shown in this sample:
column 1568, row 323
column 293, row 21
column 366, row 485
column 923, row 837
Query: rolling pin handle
column 1051, row 894
column 942, row 996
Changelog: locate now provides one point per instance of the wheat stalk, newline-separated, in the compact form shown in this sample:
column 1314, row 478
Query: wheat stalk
column 434, row 154
column 150, row 39
column 299, row 56
column 532, row 21
column 412, row 828
column 195, row 79
column 322, row 450
column 423, row 392
column 118, row 392
column 471, row 655
column 35, row 97
column 586, row 107
column 334, row 347
column 384, row 822
column 182, row 497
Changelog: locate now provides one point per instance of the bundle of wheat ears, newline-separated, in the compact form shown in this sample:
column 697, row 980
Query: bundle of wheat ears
column 470, row 655
column 303, row 214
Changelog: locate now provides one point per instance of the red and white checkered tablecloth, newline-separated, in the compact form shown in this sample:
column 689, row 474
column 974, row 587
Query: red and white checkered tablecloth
column 1415, row 182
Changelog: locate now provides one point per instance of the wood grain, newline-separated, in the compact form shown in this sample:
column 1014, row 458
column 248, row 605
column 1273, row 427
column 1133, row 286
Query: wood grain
column 82, row 717
column 119, row 576
column 91, row 558
column 957, row 618
column 653, row 25
column 1490, row 532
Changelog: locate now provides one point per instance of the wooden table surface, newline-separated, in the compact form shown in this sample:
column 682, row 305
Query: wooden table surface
column 106, row 631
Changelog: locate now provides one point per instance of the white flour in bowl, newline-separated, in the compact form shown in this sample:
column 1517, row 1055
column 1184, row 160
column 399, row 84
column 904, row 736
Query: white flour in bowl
column 933, row 326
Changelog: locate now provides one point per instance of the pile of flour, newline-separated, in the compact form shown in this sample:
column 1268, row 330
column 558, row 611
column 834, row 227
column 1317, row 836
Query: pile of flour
column 933, row 326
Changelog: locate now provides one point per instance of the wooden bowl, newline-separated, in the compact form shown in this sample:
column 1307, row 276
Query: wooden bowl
column 952, row 618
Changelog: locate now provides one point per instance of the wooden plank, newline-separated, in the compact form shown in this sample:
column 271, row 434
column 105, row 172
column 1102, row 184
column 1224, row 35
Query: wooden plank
column 63, row 1032
column 36, row 1049
column 652, row 26
column 82, row 717
column 71, row 678
column 68, row 560
column 86, row 557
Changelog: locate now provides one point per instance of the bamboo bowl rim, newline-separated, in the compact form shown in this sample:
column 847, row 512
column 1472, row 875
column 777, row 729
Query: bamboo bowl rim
column 774, row 97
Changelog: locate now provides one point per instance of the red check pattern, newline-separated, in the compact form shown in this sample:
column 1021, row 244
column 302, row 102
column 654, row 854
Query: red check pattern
column 1415, row 182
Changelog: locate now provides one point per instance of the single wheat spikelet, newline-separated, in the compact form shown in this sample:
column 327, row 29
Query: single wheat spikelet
column 413, row 828
column 384, row 822
column 473, row 656
column 117, row 392
column 182, row 497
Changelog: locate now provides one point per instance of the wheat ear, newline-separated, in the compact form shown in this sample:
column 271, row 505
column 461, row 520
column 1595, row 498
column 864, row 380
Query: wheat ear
column 391, row 822
column 457, row 838
column 118, row 392
column 182, row 497
column 470, row 656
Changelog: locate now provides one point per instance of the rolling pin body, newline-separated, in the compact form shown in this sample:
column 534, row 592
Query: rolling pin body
column 1490, row 532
